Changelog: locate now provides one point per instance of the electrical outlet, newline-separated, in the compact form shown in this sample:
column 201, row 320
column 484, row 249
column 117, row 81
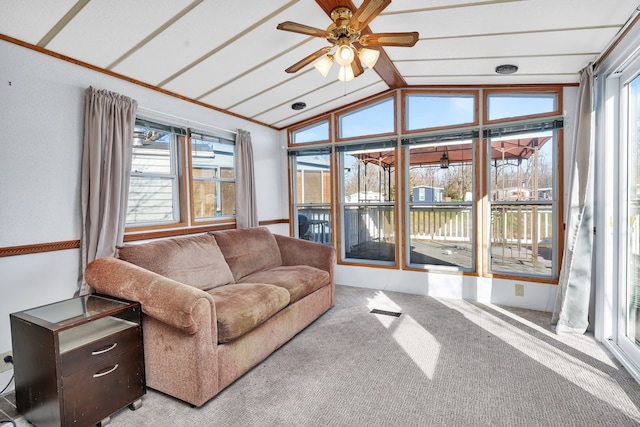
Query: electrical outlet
column 519, row 290
column 3, row 365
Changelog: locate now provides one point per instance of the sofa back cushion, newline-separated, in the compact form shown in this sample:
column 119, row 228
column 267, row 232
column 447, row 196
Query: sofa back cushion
column 194, row 260
column 249, row 250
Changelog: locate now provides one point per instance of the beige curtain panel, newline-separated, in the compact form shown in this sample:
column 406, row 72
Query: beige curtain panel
column 246, row 211
column 571, row 312
column 109, row 119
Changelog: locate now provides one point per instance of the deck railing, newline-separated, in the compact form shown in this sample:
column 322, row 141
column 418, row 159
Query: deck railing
column 529, row 225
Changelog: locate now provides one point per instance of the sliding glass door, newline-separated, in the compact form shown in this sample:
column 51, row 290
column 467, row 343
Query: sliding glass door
column 629, row 284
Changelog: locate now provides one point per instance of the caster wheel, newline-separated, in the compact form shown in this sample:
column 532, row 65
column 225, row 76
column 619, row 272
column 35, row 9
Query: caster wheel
column 135, row 405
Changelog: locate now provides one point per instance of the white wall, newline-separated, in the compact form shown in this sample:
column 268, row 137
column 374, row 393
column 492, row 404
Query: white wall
column 41, row 126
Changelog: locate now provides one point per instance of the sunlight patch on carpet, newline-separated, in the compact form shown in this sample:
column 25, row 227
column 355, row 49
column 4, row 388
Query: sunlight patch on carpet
column 422, row 347
column 589, row 378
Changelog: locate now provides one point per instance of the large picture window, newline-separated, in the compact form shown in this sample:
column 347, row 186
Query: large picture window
column 212, row 170
column 312, row 191
column 464, row 192
column 368, row 208
column 433, row 110
column 154, row 190
column 377, row 118
column 521, row 167
column 504, row 105
column 171, row 165
column 440, row 214
column 314, row 132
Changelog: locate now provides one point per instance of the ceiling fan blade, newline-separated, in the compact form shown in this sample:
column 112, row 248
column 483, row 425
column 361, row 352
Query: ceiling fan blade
column 390, row 39
column 367, row 12
column 308, row 60
column 303, row 29
column 356, row 67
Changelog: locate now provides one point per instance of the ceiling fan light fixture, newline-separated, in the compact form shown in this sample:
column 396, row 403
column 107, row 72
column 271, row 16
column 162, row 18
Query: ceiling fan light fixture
column 345, row 74
column 323, row 65
column 368, row 56
column 344, row 55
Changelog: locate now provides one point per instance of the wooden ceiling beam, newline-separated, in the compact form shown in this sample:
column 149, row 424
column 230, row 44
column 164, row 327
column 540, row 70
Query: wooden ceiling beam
column 384, row 67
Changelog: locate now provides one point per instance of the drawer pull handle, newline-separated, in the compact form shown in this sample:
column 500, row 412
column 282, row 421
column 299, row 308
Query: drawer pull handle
column 108, row 371
column 104, row 349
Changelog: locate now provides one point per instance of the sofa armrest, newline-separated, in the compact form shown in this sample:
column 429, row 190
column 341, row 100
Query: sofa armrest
column 303, row 252
column 166, row 300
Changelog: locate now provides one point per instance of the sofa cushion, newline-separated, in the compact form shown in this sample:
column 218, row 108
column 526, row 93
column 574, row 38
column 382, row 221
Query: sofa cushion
column 194, row 260
column 299, row 280
column 248, row 250
column 243, row 306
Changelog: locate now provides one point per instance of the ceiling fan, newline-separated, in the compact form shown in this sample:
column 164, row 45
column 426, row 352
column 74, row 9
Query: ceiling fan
column 346, row 32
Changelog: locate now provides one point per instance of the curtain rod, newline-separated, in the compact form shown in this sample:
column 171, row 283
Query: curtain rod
column 186, row 122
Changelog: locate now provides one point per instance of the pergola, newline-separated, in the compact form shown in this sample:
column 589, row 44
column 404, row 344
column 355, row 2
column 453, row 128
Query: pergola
column 516, row 148
column 507, row 148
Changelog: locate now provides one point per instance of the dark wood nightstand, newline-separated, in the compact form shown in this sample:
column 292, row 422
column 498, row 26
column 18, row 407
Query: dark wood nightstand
column 78, row 361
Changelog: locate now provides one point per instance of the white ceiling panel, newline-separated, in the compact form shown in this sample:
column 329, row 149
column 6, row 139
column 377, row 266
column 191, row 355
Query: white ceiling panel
column 541, row 65
column 410, row 5
column 316, row 108
column 549, row 43
column 509, row 17
column 269, row 75
column 31, row 20
column 103, row 30
column 198, row 33
column 289, row 92
column 229, row 54
column 491, row 79
column 243, row 56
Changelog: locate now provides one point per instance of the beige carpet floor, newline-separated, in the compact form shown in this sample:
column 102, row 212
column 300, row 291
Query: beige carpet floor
column 441, row 363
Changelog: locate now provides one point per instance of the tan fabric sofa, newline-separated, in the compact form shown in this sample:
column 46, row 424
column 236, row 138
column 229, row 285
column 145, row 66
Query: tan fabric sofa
column 217, row 304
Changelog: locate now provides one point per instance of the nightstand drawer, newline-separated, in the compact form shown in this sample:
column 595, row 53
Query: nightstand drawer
column 99, row 350
column 97, row 391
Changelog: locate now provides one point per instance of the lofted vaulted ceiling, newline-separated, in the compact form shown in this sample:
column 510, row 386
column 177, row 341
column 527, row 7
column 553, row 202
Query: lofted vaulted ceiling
column 229, row 54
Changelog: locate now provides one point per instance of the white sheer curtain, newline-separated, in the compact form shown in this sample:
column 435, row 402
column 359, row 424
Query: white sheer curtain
column 571, row 312
column 246, row 211
column 109, row 119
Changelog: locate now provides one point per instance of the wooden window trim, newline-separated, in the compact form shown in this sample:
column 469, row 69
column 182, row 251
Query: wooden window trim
column 308, row 123
column 363, row 105
column 408, row 92
column 182, row 175
column 549, row 89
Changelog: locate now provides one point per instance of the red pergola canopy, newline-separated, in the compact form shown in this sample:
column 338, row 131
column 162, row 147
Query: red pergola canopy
column 508, row 149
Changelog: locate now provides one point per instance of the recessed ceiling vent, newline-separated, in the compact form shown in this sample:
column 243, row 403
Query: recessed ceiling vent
column 298, row 105
column 506, row 69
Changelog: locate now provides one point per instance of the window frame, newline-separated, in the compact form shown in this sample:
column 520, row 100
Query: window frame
column 183, row 161
column 363, row 106
column 294, row 207
column 179, row 162
column 555, row 203
column 557, row 90
column 474, row 137
column 218, row 181
column 386, row 144
column 308, row 124
column 481, row 222
column 407, row 93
